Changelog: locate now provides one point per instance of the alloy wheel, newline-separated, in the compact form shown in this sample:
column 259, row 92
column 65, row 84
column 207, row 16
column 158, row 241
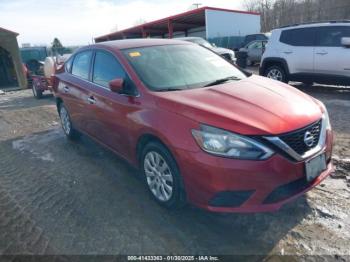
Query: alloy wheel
column 275, row 74
column 34, row 91
column 66, row 125
column 159, row 176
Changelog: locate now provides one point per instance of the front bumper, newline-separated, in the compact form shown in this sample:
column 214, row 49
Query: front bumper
column 253, row 186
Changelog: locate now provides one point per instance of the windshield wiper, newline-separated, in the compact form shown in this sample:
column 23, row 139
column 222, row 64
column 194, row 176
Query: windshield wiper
column 169, row 89
column 222, row 80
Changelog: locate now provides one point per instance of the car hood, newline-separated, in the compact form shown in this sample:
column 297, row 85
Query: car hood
column 252, row 106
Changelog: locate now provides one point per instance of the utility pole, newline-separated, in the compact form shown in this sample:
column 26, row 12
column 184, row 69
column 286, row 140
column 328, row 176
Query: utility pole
column 196, row 5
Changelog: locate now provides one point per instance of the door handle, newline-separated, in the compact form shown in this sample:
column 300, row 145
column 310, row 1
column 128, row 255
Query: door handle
column 91, row 100
column 288, row 52
column 322, row 53
column 66, row 89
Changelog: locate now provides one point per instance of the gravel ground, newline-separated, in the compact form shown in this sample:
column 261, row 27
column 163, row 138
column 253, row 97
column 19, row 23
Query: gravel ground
column 62, row 197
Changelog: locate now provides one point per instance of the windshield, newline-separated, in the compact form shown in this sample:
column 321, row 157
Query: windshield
column 169, row 67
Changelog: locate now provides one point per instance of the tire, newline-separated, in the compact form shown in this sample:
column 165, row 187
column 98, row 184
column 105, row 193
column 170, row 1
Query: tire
column 249, row 62
column 67, row 124
column 276, row 72
column 308, row 83
column 38, row 94
column 159, row 182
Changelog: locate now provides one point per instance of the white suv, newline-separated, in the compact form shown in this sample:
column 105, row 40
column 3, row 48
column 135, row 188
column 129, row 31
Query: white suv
column 317, row 52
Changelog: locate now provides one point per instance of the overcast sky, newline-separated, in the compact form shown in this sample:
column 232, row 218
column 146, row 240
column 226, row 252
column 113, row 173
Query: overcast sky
column 76, row 22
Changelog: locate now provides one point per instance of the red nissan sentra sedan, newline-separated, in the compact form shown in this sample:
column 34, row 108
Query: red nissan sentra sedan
column 200, row 129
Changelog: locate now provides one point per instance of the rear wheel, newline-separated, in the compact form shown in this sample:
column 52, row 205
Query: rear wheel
column 36, row 91
column 308, row 83
column 162, row 176
column 249, row 62
column 277, row 73
column 66, row 123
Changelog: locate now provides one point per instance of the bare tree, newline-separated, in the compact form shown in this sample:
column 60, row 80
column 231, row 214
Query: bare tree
column 276, row 13
column 139, row 21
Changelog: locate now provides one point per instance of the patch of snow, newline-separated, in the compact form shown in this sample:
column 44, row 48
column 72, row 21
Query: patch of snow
column 47, row 157
column 27, row 144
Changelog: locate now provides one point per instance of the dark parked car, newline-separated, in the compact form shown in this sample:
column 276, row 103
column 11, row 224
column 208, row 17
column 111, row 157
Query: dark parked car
column 254, row 51
column 199, row 129
column 253, row 37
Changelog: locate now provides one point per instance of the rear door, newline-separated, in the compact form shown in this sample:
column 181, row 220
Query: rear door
column 297, row 48
column 331, row 58
column 73, row 87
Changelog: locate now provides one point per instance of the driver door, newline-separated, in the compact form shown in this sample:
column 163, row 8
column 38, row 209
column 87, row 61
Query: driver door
column 255, row 51
column 111, row 111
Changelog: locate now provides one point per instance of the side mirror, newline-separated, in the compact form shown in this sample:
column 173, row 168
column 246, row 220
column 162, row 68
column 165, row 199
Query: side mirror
column 116, row 85
column 345, row 41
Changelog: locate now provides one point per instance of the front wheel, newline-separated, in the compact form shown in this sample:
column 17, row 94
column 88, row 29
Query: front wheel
column 162, row 176
column 67, row 125
column 277, row 73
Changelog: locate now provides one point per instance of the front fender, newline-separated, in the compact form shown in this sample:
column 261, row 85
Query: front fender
column 172, row 129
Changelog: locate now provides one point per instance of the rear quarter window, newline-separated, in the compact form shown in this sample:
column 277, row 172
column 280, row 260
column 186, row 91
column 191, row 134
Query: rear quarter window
column 330, row 36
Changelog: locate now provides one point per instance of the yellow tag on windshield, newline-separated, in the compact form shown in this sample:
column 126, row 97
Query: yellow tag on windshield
column 134, row 54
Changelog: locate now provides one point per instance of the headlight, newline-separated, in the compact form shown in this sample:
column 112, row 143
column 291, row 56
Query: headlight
column 326, row 119
column 325, row 116
column 223, row 143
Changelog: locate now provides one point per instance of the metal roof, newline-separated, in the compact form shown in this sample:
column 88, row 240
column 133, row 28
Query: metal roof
column 136, row 43
column 180, row 22
column 3, row 30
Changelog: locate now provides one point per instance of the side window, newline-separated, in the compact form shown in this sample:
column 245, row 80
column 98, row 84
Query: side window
column 68, row 65
column 255, row 45
column 298, row 37
column 106, row 68
column 330, row 36
column 81, row 64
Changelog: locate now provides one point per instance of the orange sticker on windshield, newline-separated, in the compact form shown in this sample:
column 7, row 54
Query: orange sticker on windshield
column 134, row 54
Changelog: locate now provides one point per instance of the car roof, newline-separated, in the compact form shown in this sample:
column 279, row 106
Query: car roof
column 316, row 24
column 135, row 43
column 255, row 34
column 265, row 40
column 254, row 41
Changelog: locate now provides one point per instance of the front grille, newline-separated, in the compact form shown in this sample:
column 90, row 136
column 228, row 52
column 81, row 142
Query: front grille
column 295, row 139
